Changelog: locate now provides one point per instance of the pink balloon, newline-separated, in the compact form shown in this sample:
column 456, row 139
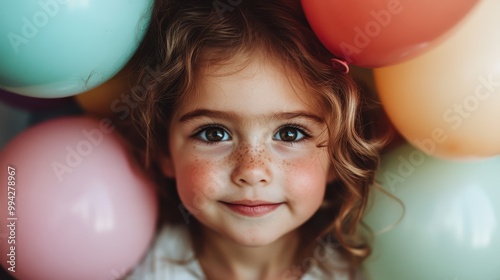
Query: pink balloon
column 378, row 33
column 82, row 210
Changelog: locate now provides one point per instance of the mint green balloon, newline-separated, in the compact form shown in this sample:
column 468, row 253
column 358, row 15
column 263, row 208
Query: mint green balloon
column 59, row 48
column 451, row 228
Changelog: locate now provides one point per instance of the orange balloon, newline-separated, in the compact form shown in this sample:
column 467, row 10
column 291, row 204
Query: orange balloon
column 379, row 33
column 447, row 101
column 107, row 99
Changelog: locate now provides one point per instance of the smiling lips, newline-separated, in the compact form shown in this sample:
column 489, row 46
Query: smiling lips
column 252, row 208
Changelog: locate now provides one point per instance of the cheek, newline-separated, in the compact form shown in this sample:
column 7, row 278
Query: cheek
column 197, row 183
column 306, row 179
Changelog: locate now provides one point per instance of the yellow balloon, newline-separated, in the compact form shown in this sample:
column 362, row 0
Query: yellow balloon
column 447, row 101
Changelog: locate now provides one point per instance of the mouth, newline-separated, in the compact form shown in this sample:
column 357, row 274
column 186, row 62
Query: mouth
column 252, row 208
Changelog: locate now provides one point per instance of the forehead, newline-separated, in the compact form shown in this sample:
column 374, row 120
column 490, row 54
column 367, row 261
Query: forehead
column 252, row 85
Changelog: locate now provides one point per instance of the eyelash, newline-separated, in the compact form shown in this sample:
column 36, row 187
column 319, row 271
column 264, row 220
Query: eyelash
column 197, row 132
column 301, row 129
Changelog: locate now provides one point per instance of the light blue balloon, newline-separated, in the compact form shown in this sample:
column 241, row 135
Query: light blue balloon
column 59, row 48
column 451, row 227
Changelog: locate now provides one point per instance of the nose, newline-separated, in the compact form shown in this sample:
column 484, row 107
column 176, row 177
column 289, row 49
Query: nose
column 252, row 167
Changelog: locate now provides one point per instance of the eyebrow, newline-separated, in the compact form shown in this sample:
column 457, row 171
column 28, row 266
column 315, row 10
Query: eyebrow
column 199, row 113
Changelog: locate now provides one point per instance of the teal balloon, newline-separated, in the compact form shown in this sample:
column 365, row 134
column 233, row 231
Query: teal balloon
column 59, row 48
column 449, row 228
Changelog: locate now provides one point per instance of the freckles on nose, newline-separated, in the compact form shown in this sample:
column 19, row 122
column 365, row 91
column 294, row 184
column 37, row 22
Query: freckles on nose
column 252, row 156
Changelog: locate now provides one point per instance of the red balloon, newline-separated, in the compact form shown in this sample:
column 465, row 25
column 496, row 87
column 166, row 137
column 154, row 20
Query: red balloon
column 379, row 33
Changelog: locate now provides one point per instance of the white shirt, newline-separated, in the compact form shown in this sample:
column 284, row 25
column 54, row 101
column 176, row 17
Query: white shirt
column 173, row 243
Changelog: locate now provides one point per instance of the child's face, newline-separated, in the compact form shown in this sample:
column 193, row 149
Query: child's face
column 244, row 154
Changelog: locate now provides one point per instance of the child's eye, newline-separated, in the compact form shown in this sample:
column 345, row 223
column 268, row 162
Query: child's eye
column 213, row 134
column 290, row 134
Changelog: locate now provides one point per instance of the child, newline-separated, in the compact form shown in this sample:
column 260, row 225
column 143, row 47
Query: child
column 256, row 142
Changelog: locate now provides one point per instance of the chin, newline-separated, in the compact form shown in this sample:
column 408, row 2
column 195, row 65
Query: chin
column 250, row 238
column 254, row 235
column 253, row 242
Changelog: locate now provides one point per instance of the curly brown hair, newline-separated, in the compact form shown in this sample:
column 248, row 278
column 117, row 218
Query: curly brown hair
column 186, row 36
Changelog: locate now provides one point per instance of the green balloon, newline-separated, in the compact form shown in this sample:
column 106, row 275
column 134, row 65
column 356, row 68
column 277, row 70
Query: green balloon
column 450, row 229
column 59, row 48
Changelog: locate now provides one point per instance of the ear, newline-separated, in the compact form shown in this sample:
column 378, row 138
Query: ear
column 167, row 167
